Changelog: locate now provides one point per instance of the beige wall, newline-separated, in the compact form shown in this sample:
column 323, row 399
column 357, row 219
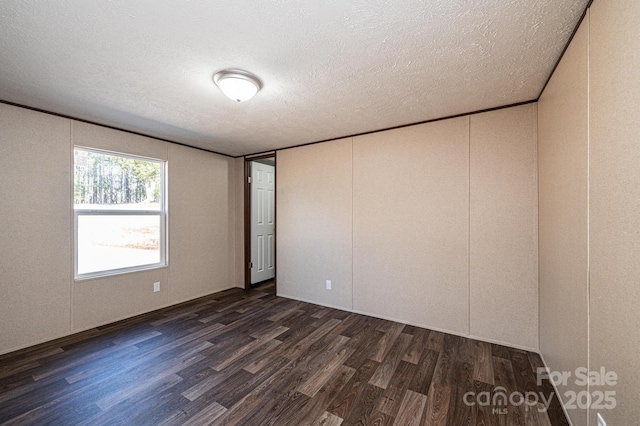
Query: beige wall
column 563, row 165
column 411, row 215
column 201, row 251
column 92, row 136
column 614, row 207
column 35, row 227
column 411, row 219
column 238, row 182
column 39, row 299
column 590, row 208
column 314, row 223
column 103, row 300
column 503, row 233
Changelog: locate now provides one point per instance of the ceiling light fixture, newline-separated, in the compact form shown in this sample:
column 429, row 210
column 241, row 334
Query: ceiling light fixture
column 238, row 85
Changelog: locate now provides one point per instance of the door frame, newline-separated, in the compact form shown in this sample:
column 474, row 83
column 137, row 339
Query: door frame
column 247, row 218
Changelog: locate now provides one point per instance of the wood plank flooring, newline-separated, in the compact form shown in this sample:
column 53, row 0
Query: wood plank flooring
column 250, row 358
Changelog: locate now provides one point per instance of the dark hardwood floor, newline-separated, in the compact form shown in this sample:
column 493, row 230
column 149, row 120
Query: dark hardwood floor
column 250, row 358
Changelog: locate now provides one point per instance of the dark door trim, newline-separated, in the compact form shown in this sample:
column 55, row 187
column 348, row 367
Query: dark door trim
column 247, row 219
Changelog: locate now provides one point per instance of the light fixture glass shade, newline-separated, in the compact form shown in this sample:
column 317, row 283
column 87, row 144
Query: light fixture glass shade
column 237, row 85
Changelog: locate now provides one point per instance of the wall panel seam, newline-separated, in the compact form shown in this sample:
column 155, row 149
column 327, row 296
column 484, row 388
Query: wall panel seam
column 352, row 222
column 71, row 234
column 588, row 20
column 469, row 223
column 534, row 122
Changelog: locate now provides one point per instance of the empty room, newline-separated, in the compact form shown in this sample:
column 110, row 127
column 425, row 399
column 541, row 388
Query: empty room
column 416, row 212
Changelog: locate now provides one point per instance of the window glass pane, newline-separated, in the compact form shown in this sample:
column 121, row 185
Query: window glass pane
column 108, row 242
column 107, row 181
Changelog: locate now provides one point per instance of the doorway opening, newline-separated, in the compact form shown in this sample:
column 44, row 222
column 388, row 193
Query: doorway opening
column 260, row 221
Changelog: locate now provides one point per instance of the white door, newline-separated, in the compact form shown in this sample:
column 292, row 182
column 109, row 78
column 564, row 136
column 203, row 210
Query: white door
column 262, row 222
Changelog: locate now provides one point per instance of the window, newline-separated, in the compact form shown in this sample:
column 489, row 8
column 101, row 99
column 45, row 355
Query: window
column 119, row 213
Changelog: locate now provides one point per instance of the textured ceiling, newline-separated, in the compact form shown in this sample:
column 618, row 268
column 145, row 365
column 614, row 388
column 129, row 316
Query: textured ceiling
column 330, row 68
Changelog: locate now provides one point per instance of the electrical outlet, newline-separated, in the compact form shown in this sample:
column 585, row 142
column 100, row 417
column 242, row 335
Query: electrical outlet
column 601, row 421
column 328, row 284
column 156, row 287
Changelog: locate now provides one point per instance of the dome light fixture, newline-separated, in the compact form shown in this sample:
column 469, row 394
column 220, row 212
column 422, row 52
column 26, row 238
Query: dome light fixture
column 237, row 85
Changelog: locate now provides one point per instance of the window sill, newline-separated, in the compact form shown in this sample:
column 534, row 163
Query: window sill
column 116, row 272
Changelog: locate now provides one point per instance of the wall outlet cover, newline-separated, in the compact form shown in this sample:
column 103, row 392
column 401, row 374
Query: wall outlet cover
column 156, row 287
column 328, row 284
column 601, row 421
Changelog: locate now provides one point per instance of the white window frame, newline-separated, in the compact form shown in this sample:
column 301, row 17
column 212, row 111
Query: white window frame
column 162, row 213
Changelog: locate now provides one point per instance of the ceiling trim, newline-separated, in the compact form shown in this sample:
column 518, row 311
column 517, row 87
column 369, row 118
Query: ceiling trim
column 397, row 127
column 575, row 30
column 111, row 127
